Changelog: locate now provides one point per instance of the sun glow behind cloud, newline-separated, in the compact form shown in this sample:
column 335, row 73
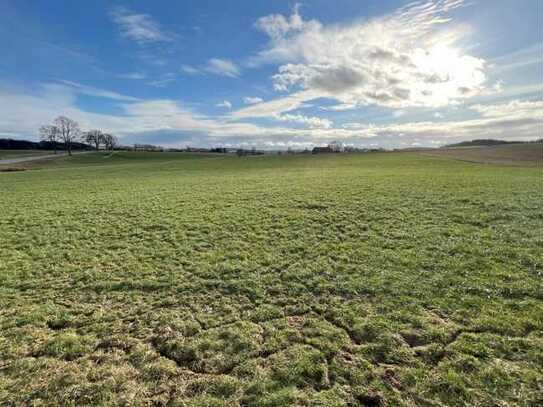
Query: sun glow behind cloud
column 409, row 58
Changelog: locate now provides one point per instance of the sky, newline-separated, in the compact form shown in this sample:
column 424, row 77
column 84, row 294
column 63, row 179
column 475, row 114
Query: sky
column 275, row 74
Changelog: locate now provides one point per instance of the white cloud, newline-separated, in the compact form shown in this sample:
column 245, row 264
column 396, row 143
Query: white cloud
column 408, row 58
column 160, row 83
column 252, row 100
column 498, row 86
column 190, row 70
column 278, row 26
column 223, row 67
column 162, row 80
column 141, row 28
column 152, row 115
column 513, row 109
column 531, row 55
column 340, row 108
column 96, row 92
column 312, row 122
column 521, row 90
column 354, row 126
column 515, row 120
column 215, row 66
column 132, row 76
column 275, row 107
column 24, row 111
column 225, row 103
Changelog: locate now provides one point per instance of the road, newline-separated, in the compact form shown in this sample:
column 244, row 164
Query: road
column 34, row 158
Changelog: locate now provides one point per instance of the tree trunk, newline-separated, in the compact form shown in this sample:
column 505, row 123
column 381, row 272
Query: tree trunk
column 69, row 147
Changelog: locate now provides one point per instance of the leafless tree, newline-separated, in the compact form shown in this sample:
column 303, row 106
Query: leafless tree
column 68, row 131
column 95, row 137
column 110, row 141
column 50, row 134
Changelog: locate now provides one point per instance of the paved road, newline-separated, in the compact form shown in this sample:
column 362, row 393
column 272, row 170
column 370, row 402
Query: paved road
column 37, row 157
column 29, row 158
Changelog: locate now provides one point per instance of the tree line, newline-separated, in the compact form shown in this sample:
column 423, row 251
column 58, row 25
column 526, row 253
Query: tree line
column 67, row 131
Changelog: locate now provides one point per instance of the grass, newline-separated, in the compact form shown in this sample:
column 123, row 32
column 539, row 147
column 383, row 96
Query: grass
column 5, row 154
column 344, row 280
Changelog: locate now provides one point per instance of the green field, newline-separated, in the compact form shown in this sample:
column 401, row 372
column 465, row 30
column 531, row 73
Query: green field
column 341, row 280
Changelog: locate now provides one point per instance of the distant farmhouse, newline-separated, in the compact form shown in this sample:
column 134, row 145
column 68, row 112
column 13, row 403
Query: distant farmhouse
column 322, row 150
column 333, row 147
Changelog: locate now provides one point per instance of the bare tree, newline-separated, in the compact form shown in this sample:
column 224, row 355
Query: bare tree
column 50, row 134
column 95, row 137
column 68, row 131
column 110, row 141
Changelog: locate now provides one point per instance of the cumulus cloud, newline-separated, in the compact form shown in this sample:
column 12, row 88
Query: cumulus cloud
column 278, row 26
column 141, row 28
column 223, row 67
column 248, row 100
column 408, row 58
column 225, row 103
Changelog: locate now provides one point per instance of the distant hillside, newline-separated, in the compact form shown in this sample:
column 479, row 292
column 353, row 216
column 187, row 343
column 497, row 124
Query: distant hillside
column 503, row 153
column 481, row 142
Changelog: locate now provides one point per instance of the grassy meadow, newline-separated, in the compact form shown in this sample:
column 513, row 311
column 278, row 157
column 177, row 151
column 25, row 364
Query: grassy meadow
column 202, row 280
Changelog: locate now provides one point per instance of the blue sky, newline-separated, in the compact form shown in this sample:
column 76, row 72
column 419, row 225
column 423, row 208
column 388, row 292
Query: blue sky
column 275, row 74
